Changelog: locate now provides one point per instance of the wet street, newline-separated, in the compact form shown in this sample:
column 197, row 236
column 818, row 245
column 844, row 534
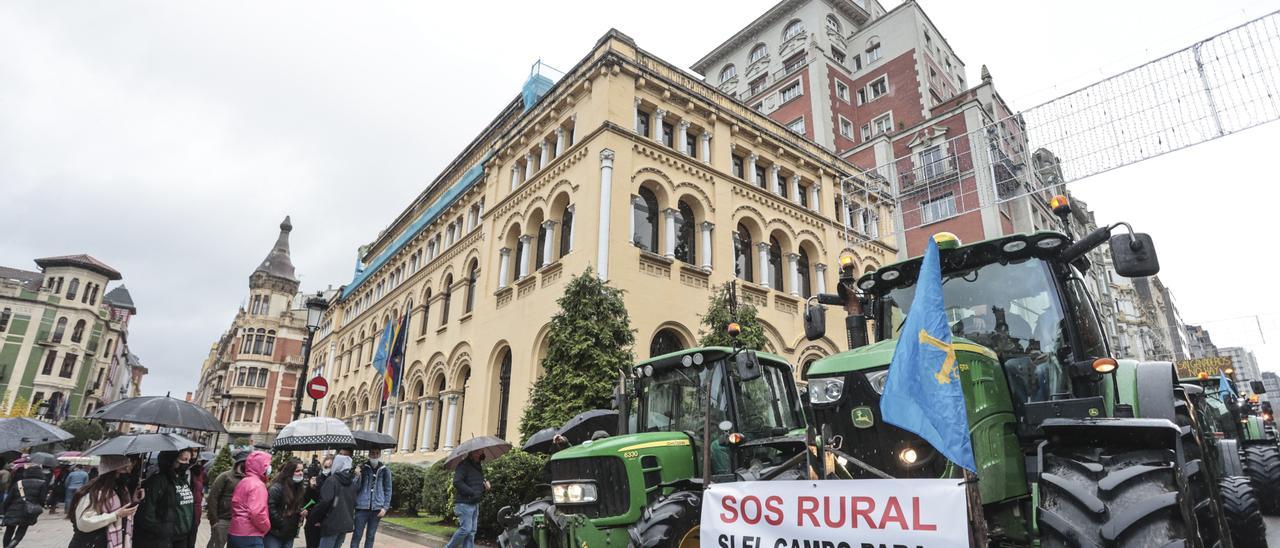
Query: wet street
column 1273, row 530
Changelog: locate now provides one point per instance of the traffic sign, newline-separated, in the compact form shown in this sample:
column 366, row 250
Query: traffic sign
column 317, row 387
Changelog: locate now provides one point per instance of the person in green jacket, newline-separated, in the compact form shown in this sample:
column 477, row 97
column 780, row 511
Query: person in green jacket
column 218, row 502
column 167, row 511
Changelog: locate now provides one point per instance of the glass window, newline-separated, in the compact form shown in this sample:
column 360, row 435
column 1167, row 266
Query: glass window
column 756, row 86
column 775, row 264
column 49, row 359
column 766, row 407
column 794, row 63
column 665, row 341
column 793, row 29
column 642, row 123
column 931, row 162
column 760, row 179
column 686, row 247
column 566, row 231
column 790, row 92
column 802, row 268
column 5, row 315
column 883, row 124
column 833, row 24
column 838, row 55
column 855, row 62
column 873, row 52
column 757, row 53
column 72, row 288
column 668, row 135
column 262, row 378
column 879, row 87
column 645, row 212
column 504, row 394
column 68, row 366
column 426, row 311
column 269, row 347
column 742, row 263
column 938, row 209
column 846, row 128
column 446, row 295
column 473, row 274
column 539, row 253
column 842, row 91
column 738, row 169
column 77, row 332
column 797, row 125
column 728, row 73
column 60, row 329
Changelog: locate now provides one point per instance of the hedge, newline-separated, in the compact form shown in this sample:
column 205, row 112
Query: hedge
column 406, row 492
column 514, row 478
column 437, row 491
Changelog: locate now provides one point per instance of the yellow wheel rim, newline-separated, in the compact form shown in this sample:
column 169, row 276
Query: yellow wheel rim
column 690, row 539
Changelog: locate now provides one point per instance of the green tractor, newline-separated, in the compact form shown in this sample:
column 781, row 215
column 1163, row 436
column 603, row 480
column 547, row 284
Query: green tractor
column 1073, row 447
column 687, row 419
column 1238, row 428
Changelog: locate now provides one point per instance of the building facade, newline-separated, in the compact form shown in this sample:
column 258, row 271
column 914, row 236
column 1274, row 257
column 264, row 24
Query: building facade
column 625, row 168
column 1200, row 343
column 1245, row 364
column 63, row 337
column 250, row 377
column 885, row 90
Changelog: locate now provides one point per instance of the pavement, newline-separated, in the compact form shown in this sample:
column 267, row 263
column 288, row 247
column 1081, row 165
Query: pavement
column 1273, row 530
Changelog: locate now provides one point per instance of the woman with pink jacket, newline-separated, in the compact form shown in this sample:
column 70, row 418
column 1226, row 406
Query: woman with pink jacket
column 250, row 520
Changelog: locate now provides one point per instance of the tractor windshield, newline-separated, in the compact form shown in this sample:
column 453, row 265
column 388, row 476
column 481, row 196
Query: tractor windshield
column 1011, row 309
column 670, row 400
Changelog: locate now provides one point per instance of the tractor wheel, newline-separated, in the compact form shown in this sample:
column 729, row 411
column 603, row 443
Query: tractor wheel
column 1244, row 517
column 1262, row 465
column 671, row 522
column 1100, row 496
column 521, row 534
column 1210, row 521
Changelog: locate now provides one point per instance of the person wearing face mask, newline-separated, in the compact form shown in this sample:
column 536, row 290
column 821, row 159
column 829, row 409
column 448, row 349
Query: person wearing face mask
column 250, row 519
column 218, row 508
column 100, row 513
column 167, row 510
column 312, row 497
column 469, row 486
column 284, row 505
column 372, row 500
column 334, row 514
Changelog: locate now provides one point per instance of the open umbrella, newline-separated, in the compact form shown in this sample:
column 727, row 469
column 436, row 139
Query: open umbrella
column 43, row 459
column 313, row 434
column 160, row 411
column 491, row 446
column 541, row 441
column 137, row 444
column 19, row 432
column 368, row 439
column 585, row 424
column 208, row 456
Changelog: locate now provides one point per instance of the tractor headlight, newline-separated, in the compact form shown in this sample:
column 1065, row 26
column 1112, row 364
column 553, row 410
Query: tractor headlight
column 877, row 379
column 825, row 390
column 573, row 493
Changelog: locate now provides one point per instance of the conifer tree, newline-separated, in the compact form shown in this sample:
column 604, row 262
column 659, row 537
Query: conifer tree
column 221, row 463
column 715, row 323
column 588, row 344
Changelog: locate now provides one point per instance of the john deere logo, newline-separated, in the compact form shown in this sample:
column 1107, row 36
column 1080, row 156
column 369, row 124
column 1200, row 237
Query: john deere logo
column 863, row 418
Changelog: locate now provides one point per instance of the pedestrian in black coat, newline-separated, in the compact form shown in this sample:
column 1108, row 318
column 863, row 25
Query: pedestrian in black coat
column 336, row 511
column 31, row 488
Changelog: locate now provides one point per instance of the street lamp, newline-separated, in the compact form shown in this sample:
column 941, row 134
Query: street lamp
column 315, row 308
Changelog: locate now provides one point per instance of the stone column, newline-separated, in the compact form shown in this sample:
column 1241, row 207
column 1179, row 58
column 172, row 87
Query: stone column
column 545, row 154
column 764, row 264
column 606, row 197
column 573, row 227
column 707, row 227
column 637, row 121
column 547, row 248
column 793, row 264
column 815, row 196
column 524, row 255
column 821, row 270
column 428, row 417
column 682, row 130
column 389, row 420
column 774, row 186
column 658, row 115
column 751, row 169
column 706, row 147
column 844, row 212
column 528, row 165
column 515, row 176
column 504, row 266
column 451, row 417
column 559, row 142
column 406, row 429
column 795, row 188
column 669, row 227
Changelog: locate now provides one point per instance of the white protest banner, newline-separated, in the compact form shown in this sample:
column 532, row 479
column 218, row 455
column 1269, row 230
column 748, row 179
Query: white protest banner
column 925, row 513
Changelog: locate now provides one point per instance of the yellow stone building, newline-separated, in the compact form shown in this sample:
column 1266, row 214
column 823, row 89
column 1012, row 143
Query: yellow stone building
column 626, row 165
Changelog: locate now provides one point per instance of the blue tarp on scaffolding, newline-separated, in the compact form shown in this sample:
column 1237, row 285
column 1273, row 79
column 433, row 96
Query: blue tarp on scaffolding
column 469, row 179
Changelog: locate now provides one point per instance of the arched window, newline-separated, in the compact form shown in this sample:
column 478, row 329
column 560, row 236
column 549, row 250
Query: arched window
column 665, row 341
column 804, row 369
column 742, row 263
column 88, row 288
column 540, row 253
column 426, row 311
column 644, row 210
column 515, row 264
column 686, row 236
column 72, row 288
column 833, row 24
column 93, row 297
column 60, row 328
column 757, row 53
column 775, row 265
column 728, row 73
column 566, row 231
column 240, row 376
column 270, row 346
column 77, row 332
column 504, row 393
column 802, row 266
column 445, row 296
column 793, row 29
column 106, row 352
column 473, row 274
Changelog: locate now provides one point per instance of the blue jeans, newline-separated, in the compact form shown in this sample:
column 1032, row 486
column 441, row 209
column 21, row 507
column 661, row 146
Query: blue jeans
column 465, row 536
column 274, row 542
column 244, row 542
column 365, row 519
column 335, row 541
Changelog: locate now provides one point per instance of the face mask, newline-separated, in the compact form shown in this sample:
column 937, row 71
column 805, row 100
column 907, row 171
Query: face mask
column 268, row 469
column 297, row 479
column 183, row 467
column 326, row 471
column 374, row 462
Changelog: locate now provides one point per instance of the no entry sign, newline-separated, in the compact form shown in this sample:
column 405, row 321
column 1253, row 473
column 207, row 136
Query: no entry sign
column 317, row 387
column 835, row 513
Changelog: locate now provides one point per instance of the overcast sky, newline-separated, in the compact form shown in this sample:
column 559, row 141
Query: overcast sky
column 169, row 139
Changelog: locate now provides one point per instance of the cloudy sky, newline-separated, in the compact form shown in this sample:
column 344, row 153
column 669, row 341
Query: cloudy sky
column 170, row 138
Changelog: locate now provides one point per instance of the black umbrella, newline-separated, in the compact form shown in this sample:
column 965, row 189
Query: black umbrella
column 137, row 444
column 541, row 441
column 368, row 439
column 587, row 423
column 491, row 446
column 43, row 459
column 314, row 434
column 160, row 411
column 19, row 432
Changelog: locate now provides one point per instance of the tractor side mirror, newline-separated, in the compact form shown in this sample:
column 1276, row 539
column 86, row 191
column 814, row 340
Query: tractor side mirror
column 1134, row 255
column 1257, row 387
column 815, row 321
column 748, row 366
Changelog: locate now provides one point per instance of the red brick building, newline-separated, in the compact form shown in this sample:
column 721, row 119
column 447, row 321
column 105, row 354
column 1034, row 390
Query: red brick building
column 884, row 89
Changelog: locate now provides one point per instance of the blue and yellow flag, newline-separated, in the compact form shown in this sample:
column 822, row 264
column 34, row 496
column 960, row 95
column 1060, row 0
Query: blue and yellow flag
column 923, row 392
column 383, row 351
column 1225, row 390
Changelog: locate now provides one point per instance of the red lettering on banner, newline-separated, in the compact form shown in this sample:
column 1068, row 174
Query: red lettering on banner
column 745, row 516
column 806, row 506
column 773, row 507
column 893, row 513
column 826, row 512
column 730, row 514
column 916, row 523
column 858, row 511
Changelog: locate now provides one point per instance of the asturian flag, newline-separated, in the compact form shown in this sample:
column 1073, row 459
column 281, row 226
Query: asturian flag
column 923, row 393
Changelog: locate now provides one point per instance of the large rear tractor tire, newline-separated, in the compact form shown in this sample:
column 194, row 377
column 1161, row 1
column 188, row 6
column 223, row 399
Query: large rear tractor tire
column 1262, row 465
column 521, row 533
column 1210, row 520
column 1244, row 516
column 1102, row 496
column 671, row 522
